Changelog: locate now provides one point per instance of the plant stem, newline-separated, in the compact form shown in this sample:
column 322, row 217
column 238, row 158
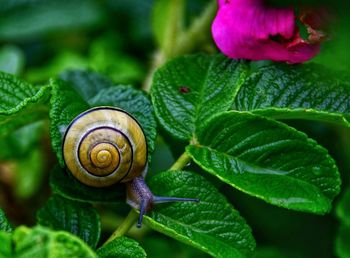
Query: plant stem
column 174, row 26
column 180, row 42
column 196, row 34
column 181, row 162
column 158, row 60
column 124, row 227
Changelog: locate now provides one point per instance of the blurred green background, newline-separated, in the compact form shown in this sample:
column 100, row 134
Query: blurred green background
column 39, row 39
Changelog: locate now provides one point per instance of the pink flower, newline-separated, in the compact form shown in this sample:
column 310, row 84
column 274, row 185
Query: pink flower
column 252, row 30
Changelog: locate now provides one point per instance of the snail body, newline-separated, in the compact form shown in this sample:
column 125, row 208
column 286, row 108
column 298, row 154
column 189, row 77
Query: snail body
column 104, row 146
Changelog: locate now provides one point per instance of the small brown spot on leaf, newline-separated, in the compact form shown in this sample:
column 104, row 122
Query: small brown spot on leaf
column 184, row 89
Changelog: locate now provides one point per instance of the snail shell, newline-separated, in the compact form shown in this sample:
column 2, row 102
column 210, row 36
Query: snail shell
column 104, row 146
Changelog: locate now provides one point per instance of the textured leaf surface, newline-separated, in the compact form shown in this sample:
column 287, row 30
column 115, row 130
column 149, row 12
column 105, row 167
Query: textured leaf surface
column 42, row 242
column 342, row 245
column 80, row 219
column 63, row 183
column 211, row 225
column 4, row 223
column 188, row 90
column 28, row 19
column 305, row 92
column 20, row 103
column 86, row 83
column 122, row 247
column 269, row 160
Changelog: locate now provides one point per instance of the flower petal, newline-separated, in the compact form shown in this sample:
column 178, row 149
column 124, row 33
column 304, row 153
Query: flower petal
column 249, row 29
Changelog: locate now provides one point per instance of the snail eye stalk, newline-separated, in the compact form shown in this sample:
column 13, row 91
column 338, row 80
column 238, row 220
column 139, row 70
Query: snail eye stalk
column 139, row 196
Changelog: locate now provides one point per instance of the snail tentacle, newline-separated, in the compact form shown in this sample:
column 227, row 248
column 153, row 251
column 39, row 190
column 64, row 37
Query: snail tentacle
column 140, row 197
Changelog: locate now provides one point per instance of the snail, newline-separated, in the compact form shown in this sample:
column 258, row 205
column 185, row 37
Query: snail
column 104, row 146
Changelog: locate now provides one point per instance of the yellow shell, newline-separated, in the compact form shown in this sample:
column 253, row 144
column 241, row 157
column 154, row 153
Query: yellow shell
column 104, row 146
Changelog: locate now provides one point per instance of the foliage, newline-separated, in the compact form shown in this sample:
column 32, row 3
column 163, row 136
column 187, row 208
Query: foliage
column 240, row 132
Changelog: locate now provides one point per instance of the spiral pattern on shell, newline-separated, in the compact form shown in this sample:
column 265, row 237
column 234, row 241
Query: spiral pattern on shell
column 104, row 146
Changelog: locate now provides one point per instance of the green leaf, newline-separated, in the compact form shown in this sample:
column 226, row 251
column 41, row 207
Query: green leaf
column 63, row 183
column 21, row 20
column 342, row 246
column 11, row 59
column 296, row 92
column 343, row 208
column 80, row 219
column 189, row 90
column 66, row 104
column 42, row 242
column 6, row 245
column 122, row 247
column 268, row 160
column 86, row 83
column 20, row 103
column 4, row 223
column 211, row 225
column 133, row 101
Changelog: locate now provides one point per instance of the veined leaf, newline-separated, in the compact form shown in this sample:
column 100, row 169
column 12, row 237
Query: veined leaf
column 211, row 225
column 296, row 92
column 20, row 103
column 268, row 160
column 80, row 219
column 42, row 242
column 4, row 223
column 189, row 90
column 86, row 83
column 121, row 247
